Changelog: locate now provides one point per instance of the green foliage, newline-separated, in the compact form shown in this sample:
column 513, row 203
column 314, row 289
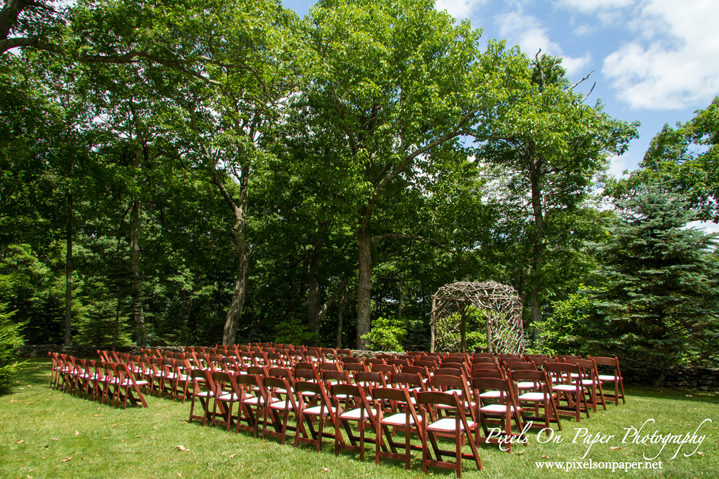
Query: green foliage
column 659, row 296
column 562, row 332
column 294, row 332
column 686, row 157
column 10, row 339
column 386, row 334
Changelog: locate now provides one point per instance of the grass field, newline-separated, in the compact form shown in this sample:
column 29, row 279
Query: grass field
column 48, row 434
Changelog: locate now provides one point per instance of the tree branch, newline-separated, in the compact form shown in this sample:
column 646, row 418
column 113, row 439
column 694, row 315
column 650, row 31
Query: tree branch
column 580, row 81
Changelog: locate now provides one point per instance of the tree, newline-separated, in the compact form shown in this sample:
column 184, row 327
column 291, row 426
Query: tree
column 391, row 87
column 687, row 158
column 658, row 295
column 548, row 146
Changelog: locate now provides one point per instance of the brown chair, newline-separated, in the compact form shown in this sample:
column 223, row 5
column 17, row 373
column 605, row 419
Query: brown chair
column 252, row 395
column 614, row 378
column 540, row 395
column 568, row 388
column 227, row 393
column 407, row 420
column 362, row 414
column 457, row 426
column 501, row 412
column 306, row 414
column 203, row 389
column 276, row 389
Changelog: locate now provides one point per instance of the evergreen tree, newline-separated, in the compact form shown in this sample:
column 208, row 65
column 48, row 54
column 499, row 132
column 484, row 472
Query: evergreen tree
column 660, row 284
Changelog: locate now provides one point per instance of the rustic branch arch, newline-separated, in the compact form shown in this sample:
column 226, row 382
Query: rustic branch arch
column 500, row 305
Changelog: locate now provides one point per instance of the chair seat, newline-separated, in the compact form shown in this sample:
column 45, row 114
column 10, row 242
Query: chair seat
column 205, row 394
column 496, row 408
column 525, row 385
column 315, row 411
column 254, row 400
column 355, row 414
column 565, row 387
column 398, row 420
column 532, row 397
column 586, row 382
column 227, row 397
column 490, row 394
column 280, row 405
column 447, row 424
column 604, row 377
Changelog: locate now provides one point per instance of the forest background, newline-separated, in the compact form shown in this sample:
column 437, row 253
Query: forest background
column 179, row 173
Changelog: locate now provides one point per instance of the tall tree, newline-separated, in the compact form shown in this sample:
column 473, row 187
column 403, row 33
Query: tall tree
column 391, row 86
column 659, row 283
column 551, row 145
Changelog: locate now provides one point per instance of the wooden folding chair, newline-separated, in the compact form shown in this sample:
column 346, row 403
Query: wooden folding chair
column 252, row 395
column 306, row 414
column 615, row 378
column 569, row 388
column 280, row 400
column 502, row 412
column 363, row 414
column 227, row 393
column 203, row 389
column 591, row 383
column 458, row 427
column 386, row 399
column 128, row 387
column 540, row 395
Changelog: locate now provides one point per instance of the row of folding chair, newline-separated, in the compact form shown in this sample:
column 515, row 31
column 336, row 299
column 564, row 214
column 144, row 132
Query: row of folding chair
column 96, row 380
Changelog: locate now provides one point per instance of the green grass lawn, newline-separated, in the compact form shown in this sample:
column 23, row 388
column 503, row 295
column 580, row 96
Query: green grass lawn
column 47, row 434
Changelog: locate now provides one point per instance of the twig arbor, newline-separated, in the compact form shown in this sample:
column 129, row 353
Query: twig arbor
column 499, row 304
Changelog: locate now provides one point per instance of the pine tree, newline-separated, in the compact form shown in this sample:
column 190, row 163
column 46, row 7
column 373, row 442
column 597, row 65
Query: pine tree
column 659, row 300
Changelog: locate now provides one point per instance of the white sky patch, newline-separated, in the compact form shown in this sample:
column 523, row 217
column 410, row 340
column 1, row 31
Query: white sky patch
column 527, row 32
column 459, row 8
column 673, row 64
column 706, row 226
column 617, row 166
column 592, row 6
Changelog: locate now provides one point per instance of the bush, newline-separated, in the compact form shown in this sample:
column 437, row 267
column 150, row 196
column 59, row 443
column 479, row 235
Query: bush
column 10, row 340
column 294, row 332
column 386, row 334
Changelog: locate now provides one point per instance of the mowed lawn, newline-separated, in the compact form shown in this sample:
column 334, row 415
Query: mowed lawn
column 48, row 434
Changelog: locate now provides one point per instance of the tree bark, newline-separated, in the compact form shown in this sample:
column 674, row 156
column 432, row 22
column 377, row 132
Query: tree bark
column 68, row 273
column 340, row 317
column 239, row 211
column 364, row 277
column 313, row 297
column 535, row 288
column 135, row 287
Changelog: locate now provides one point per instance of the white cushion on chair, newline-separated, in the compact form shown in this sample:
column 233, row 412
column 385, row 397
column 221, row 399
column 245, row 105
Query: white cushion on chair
column 315, row 411
column 254, row 400
column 355, row 414
column 227, row 397
column 496, row 408
column 447, row 424
column 490, row 394
column 398, row 420
column 525, row 385
column 565, row 387
column 532, row 397
column 280, row 405
column 608, row 378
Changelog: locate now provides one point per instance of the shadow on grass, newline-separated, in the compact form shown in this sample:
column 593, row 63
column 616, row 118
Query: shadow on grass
column 670, row 393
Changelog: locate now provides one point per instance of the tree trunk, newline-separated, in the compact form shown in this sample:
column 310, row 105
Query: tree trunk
column 68, row 274
column 116, row 333
column 535, row 288
column 364, row 278
column 135, row 289
column 313, row 298
column 340, row 317
column 234, row 314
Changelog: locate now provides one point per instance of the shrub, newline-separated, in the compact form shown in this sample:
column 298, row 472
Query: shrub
column 10, row 340
column 386, row 334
